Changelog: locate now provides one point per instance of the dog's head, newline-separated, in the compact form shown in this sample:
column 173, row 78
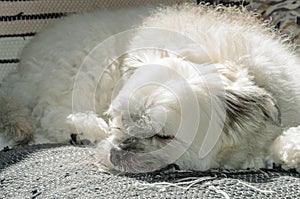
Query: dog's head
column 165, row 111
column 146, row 128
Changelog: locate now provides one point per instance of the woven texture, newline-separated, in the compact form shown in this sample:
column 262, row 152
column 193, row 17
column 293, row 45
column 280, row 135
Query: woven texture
column 53, row 171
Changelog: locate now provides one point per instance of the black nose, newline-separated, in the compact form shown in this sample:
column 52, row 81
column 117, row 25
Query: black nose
column 116, row 155
column 86, row 142
column 128, row 144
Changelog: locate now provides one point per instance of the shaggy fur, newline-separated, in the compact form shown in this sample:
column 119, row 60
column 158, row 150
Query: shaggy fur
column 202, row 87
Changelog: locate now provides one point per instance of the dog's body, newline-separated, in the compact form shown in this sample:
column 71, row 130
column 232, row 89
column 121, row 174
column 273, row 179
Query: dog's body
column 200, row 87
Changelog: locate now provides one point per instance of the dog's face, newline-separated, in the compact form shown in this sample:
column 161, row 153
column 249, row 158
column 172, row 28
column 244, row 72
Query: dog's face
column 145, row 118
column 125, row 152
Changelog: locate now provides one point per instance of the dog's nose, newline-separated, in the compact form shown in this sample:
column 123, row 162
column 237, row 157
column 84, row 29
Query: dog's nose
column 128, row 143
column 116, row 155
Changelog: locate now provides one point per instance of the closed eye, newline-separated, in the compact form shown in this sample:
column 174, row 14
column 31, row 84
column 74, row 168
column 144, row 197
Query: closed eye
column 114, row 128
column 163, row 137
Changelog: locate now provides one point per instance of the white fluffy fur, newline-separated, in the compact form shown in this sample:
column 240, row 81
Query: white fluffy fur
column 259, row 88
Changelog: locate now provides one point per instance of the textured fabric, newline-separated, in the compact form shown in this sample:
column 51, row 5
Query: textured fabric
column 284, row 14
column 53, row 171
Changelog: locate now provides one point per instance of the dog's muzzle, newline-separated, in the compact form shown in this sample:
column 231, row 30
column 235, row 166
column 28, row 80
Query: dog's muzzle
column 132, row 156
column 135, row 162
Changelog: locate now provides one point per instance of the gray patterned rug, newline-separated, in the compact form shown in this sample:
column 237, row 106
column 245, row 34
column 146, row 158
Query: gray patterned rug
column 57, row 171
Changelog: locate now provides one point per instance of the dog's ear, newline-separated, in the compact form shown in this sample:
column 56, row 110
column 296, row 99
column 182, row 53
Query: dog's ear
column 250, row 106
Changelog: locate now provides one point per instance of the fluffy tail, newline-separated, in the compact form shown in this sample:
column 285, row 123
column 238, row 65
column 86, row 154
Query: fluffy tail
column 16, row 124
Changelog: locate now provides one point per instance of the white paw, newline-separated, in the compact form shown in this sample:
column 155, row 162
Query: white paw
column 88, row 126
column 285, row 150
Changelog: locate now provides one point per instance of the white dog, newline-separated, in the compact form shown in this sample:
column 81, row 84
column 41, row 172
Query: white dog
column 202, row 87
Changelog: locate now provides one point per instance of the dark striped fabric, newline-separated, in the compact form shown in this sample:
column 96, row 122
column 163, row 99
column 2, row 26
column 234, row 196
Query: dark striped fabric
column 21, row 16
column 30, row 34
column 284, row 14
column 9, row 61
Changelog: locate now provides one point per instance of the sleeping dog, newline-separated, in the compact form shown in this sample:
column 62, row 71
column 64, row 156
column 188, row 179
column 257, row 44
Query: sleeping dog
column 199, row 86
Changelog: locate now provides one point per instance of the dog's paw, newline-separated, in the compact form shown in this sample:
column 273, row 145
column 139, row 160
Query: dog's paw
column 75, row 140
column 87, row 128
column 285, row 150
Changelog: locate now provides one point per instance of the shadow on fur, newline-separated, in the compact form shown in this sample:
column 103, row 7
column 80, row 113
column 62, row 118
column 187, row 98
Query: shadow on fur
column 15, row 121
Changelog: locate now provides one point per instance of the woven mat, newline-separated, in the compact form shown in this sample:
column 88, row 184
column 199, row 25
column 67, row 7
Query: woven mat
column 56, row 171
